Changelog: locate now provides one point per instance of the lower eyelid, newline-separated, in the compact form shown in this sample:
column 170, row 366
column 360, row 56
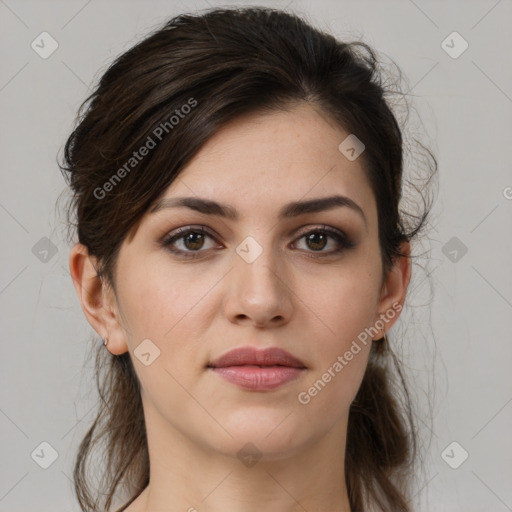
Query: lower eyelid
column 342, row 241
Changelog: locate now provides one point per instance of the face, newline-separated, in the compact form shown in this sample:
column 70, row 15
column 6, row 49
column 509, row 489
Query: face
column 198, row 284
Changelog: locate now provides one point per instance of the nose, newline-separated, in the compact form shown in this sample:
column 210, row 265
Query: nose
column 258, row 293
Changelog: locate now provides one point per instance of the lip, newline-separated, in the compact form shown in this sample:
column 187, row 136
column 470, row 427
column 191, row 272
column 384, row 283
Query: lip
column 272, row 356
column 257, row 370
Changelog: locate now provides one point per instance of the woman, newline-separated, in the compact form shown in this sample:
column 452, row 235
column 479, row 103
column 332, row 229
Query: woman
column 241, row 250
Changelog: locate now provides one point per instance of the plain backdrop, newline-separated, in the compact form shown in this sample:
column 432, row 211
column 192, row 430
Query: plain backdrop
column 456, row 332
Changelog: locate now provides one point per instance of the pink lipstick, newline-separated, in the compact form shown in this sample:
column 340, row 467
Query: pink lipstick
column 257, row 370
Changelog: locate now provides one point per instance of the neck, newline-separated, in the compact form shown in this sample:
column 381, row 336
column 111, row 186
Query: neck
column 186, row 476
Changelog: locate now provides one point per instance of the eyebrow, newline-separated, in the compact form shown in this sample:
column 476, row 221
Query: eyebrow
column 290, row 210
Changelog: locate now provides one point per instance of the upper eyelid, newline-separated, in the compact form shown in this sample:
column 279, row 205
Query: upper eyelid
column 178, row 233
column 205, row 229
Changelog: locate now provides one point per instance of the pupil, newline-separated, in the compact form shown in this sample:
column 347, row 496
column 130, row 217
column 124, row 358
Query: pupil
column 315, row 241
column 312, row 238
column 189, row 238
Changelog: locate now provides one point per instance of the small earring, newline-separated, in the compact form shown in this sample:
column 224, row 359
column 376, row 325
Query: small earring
column 105, row 341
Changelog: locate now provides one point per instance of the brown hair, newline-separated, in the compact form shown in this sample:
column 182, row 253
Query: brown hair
column 223, row 63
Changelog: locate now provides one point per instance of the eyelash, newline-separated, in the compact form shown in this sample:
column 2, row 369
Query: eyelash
column 340, row 237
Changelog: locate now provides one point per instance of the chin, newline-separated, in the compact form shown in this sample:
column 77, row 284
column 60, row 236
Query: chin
column 273, row 434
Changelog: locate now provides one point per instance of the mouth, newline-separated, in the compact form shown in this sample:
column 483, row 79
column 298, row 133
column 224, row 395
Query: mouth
column 257, row 370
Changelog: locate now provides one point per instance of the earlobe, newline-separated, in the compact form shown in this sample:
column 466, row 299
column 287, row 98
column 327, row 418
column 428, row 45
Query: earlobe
column 95, row 299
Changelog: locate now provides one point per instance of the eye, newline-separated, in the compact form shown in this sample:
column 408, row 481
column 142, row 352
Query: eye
column 192, row 240
column 317, row 239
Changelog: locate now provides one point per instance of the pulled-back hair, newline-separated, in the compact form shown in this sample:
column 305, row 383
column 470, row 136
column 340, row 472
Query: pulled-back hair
column 221, row 64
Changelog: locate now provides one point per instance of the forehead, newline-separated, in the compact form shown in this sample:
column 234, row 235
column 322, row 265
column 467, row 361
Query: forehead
column 272, row 159
column 258, row 163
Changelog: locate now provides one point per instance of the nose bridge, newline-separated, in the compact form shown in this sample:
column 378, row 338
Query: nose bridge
column 259, row 291
column 257, row 262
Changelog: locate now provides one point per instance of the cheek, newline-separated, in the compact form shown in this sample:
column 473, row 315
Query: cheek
column 343, row 308
column 172, row 309
column 332, row 390
column 161, row 303
column 163, row 307
column 343, row 303
column 341, row 355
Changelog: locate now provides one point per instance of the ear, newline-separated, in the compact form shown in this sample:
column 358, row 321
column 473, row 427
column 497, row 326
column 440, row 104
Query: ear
column 97, row 299
column 395, row 285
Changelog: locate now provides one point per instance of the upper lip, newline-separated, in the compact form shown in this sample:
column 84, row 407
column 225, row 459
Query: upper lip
column 258, row 357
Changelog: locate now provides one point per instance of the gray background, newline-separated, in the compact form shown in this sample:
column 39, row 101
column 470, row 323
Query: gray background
column 457, row 328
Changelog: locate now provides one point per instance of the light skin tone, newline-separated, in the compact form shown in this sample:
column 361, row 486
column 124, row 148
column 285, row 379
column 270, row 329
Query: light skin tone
column 298, row 295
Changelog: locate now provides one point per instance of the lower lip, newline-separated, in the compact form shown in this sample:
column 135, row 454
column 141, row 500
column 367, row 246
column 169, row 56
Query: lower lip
column 255, row 378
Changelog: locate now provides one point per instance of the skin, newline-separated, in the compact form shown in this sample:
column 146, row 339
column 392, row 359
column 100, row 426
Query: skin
column 195, row 310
